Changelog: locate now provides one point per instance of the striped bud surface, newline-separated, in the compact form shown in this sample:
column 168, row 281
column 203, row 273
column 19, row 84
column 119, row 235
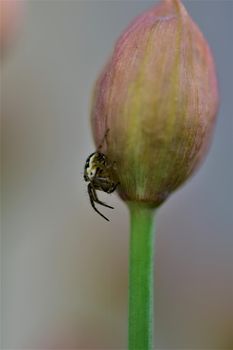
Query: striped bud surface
column 158, row 97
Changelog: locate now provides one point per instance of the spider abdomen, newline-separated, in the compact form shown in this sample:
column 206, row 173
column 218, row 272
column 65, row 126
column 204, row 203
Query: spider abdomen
column 99, row 172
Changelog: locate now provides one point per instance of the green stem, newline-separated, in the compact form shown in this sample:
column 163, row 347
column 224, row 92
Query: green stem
column 141, row 276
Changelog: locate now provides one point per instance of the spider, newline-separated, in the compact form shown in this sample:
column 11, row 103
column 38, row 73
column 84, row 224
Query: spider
column 99, row 172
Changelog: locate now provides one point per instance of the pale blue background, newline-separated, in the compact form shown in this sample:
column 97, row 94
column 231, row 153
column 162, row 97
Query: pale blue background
column 64, row 269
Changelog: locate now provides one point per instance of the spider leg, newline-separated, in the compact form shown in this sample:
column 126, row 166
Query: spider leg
column 92, row 195
column 96, row 199
column 102, row 142
column 113, row 188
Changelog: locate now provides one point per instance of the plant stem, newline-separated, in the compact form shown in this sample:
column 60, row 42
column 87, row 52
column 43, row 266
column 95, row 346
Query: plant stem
column 141, row 276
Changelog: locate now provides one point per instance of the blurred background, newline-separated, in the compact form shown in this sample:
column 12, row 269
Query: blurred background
column 64, row 268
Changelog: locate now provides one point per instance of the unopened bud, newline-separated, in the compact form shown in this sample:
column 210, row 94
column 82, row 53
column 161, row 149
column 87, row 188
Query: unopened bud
column 158, row 97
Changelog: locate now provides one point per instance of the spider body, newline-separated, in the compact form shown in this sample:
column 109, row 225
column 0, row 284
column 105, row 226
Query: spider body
column 99, row 172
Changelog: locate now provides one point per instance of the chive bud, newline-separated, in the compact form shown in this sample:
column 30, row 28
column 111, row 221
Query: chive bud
column 158, row 97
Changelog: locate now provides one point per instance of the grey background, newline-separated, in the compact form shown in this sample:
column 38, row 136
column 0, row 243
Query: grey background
column 64, row 269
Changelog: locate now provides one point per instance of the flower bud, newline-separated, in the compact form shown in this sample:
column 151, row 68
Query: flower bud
column 158, row 97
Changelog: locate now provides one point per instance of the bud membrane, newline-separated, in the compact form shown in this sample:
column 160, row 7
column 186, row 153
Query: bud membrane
column 158, row 97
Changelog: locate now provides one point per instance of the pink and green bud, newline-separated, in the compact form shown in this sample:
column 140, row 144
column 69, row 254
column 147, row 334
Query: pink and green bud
column 158, row 97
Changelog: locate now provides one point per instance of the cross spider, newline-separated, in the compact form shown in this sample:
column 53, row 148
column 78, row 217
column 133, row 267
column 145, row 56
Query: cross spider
column 99, row 172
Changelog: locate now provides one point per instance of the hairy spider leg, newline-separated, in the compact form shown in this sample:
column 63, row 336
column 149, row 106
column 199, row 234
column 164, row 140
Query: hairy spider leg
column 101, row 181
column 92, row 195
column 96, row 199
column 112, row 189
